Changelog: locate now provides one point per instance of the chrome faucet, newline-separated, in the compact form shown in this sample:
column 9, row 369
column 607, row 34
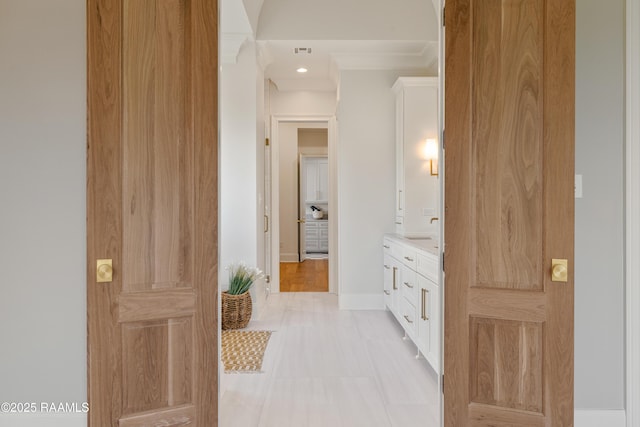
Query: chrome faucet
column 433, row 219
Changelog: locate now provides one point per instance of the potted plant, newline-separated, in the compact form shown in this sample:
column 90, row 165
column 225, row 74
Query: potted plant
column 236, row 301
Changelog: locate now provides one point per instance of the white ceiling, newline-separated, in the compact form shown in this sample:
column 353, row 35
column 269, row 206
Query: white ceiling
column 342, row 34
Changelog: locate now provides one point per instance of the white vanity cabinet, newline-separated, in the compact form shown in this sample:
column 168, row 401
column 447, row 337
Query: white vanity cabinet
column 416, row 120
column 317, row 236
column 411, row 292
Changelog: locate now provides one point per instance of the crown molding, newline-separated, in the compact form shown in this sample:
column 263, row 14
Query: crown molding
column 230, row 45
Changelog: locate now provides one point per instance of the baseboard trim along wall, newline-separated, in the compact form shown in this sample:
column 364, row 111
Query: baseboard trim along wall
column 600, row 418
column 361, row 301
column 289, row 257
column 43, row 420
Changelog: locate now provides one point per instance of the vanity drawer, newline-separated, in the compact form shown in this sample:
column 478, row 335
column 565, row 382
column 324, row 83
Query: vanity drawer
column 393, row 248
column 409, row 285
column 386, row 246
column 409, row 256
column 408, row 317
column 427, row 265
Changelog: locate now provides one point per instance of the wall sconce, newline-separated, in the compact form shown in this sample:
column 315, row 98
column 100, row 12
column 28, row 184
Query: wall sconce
column 431, row 154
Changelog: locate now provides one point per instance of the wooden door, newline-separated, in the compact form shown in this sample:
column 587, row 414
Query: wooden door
column 152, row 209
column 509, row 120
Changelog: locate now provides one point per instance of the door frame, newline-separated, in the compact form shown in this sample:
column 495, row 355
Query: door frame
column 632, row 201
column 276, row 120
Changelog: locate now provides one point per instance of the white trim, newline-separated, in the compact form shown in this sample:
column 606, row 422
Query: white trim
column 632, row 202
column 275, row 197
column 361, row 301
column 334, row 263
column 230, row 45
column 39, row 419
column 289, row 257
column 599, row 418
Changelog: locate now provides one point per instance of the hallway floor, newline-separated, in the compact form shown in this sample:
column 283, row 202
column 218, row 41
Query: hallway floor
column 311, row 275
column 327, row 367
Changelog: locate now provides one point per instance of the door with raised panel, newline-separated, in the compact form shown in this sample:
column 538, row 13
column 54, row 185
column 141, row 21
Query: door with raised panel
column 509, row 168
column 152, row 210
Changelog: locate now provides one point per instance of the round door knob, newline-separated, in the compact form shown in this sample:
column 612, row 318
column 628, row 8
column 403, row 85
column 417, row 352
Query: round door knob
column 105, row 272
column 559, row 272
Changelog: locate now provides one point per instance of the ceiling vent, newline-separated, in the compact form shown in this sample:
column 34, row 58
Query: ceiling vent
column 301, row 50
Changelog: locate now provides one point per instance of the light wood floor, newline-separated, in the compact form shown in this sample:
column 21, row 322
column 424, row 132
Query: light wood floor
column 311, row 275
column 326, row 367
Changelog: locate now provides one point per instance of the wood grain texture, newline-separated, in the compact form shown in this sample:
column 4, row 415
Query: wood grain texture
column 163, row 304
column 203, row 123
column 152, row 208
column 158, row 172
column 145, row 375
column 559, row 209
column 459, row 215
column 506, row 364
column 104, row 218
column 506, row 131
column 507, row 304
column 175, row 417
column 509, row 99
column 488, row 416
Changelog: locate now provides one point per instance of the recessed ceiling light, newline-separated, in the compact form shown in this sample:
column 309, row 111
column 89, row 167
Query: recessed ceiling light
column 302, row 70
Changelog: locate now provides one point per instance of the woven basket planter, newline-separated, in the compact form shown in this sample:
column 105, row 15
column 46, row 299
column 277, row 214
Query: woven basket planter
column 236, row 310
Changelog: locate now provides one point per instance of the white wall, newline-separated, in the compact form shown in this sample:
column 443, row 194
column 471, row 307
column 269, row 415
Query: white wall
column 599, row 232
column 380, row 20
column 42, row 212
column 366, row 176
column 313, row 141
column 241, row 115
column 302, row 103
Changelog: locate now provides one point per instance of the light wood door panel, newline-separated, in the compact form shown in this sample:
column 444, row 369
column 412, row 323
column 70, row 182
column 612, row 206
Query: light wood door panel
column 509, row 166
column 152, row 208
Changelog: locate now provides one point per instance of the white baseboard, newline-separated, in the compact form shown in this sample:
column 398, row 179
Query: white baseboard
column 361, row 301
column 600, row 418
column 289, row 257
column 43, row 420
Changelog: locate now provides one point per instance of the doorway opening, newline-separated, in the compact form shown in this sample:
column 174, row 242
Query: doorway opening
column 303, row 182
column 304, row 207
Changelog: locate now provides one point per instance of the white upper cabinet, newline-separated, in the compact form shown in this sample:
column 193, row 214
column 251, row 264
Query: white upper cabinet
column 416, row 121
column 315, row 176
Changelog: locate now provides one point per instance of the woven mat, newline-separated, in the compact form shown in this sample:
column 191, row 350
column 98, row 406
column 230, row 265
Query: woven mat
column 243, row 351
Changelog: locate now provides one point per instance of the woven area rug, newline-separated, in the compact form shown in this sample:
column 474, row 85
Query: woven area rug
column 243, row 351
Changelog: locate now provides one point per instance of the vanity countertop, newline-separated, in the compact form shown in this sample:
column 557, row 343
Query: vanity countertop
column 425, row 243
column 310, row 218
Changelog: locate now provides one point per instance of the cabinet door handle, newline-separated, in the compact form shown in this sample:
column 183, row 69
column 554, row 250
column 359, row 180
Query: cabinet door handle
column 387, row 292
column 386, row 267
column 399, row 200
column 407, row 319
column 386, row 246
column 424, row 304
column 395, row 270
column 408, row 259
column 408, row 285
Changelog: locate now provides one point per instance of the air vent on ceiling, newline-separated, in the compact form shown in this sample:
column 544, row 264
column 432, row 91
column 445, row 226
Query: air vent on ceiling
column 301, row 50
